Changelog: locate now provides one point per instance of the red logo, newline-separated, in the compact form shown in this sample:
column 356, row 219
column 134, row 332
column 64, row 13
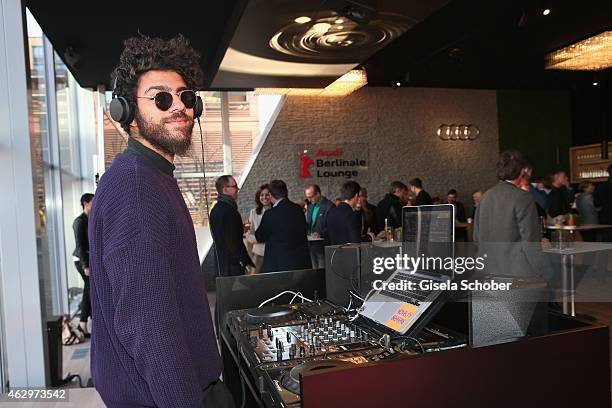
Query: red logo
column 329, row 153
column 305, row 163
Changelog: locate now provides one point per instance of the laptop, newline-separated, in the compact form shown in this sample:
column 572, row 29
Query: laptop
column 428, row 231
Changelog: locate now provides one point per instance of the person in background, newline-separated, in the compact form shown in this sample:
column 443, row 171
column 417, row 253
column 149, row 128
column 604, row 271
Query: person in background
column 461, row 219
column 602, row 199
column 422, row 197
column 316, row 221
column 283, row 229
column 227, row 230
column 436, row 200
column 344, row 223
column 390, row 207
column 368, row 213
column 540, row 190
column 506, row 226
column 337, row 201
column 81, row 259
column 263, row 203
column 476, row 196
column 558, row 203
column 587, row 212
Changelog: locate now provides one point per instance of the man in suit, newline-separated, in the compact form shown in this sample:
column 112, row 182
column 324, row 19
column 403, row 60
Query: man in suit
column 506, row 226
column 390, row 207
column 283, row 229
column 344, row 222
column 227, row 230
column 316, row 215
column 422, row 196
column 461, row 220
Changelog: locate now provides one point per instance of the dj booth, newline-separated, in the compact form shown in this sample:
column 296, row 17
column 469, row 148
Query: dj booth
column 324, row 338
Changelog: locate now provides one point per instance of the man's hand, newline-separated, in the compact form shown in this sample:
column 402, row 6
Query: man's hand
column 315, row 235
column 86, row 271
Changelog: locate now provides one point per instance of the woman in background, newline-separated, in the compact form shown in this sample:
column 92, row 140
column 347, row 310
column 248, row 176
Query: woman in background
column 587, row 212
column 262, row 199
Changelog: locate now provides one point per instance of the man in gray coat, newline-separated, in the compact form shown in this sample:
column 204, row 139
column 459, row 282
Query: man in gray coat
column 506, row 227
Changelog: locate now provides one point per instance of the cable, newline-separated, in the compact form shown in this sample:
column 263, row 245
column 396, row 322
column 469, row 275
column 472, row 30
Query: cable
column 282, row 293
column 296, row 295
column 206, row 195
column 402, row 345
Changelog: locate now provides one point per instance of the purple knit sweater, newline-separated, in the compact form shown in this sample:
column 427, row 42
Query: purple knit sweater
column 152, row 340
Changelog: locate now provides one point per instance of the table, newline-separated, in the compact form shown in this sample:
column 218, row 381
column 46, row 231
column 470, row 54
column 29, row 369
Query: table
column 567, row 268
column 583, row 227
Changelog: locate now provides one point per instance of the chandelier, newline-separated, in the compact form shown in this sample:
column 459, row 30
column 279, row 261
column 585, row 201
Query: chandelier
column 592, row 54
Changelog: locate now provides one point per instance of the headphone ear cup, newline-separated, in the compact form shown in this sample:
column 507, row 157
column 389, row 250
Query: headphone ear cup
column 198, row 109
column 121, row 111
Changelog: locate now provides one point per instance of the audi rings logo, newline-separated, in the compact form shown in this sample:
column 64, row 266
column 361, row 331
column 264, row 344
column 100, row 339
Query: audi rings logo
column 458, row 132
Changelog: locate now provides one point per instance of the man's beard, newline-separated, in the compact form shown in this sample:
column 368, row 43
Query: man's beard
column 158, row 135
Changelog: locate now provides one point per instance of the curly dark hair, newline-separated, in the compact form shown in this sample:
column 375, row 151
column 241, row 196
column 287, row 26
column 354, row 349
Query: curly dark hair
column 143, row 53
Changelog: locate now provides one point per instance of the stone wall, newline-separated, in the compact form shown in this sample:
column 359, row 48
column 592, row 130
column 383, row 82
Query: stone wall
column 396, row 129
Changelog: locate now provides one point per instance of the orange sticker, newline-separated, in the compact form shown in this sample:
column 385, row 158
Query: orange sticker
column 404, row 314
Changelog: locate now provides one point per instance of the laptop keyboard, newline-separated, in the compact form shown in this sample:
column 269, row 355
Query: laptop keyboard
column 414, row 296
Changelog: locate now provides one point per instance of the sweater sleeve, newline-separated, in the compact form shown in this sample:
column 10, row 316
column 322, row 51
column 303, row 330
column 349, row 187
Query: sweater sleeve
column 147, row 321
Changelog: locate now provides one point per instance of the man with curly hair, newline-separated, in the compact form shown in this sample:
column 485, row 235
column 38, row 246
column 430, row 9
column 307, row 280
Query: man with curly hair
column 153, row 342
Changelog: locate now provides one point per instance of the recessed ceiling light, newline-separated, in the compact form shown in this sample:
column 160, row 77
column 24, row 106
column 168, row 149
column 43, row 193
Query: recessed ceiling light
column 339, row 21
column 339, row 27
column 303, row 20
column 595, row 83
column 546, row 12
column 398, row 84
column 321, row 28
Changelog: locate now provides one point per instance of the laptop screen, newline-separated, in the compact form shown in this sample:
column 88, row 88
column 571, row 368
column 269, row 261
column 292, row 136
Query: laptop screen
column 429, row 231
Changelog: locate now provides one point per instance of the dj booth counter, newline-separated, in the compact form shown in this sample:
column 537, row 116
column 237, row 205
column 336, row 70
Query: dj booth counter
column 567, row 366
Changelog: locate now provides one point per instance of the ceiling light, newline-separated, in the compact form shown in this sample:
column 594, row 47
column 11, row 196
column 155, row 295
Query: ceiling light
column 592, row 54
column 303, row 20
column 339, row 21
column 339, row 27
column 546, row 12
column 321, row 28
column 595, row 83
column 345, row 85
column 398, row 84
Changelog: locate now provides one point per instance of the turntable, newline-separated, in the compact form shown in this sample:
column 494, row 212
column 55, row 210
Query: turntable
column 291, row 379
column 269, row 315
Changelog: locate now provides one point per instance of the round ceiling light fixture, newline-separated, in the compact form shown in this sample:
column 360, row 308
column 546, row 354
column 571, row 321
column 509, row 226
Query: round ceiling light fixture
column 303, row 20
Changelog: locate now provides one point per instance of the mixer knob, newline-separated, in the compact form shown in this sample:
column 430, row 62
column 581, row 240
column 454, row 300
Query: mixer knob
column 269, row 332
column 311, row 350
column 288, row 337
column 365, row 336
column 352, row 333
column 302, row 351
column 260, row 331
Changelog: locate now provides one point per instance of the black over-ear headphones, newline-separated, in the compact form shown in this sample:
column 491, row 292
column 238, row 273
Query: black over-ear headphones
column 123, row 111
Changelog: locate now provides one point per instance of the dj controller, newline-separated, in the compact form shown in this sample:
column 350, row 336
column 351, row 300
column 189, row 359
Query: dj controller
column 277, row 344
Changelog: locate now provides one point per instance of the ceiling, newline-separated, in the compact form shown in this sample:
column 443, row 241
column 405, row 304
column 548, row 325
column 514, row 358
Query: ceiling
column 448, row 43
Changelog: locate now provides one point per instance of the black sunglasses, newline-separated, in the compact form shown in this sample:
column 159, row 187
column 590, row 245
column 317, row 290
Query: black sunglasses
column 163, row 100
